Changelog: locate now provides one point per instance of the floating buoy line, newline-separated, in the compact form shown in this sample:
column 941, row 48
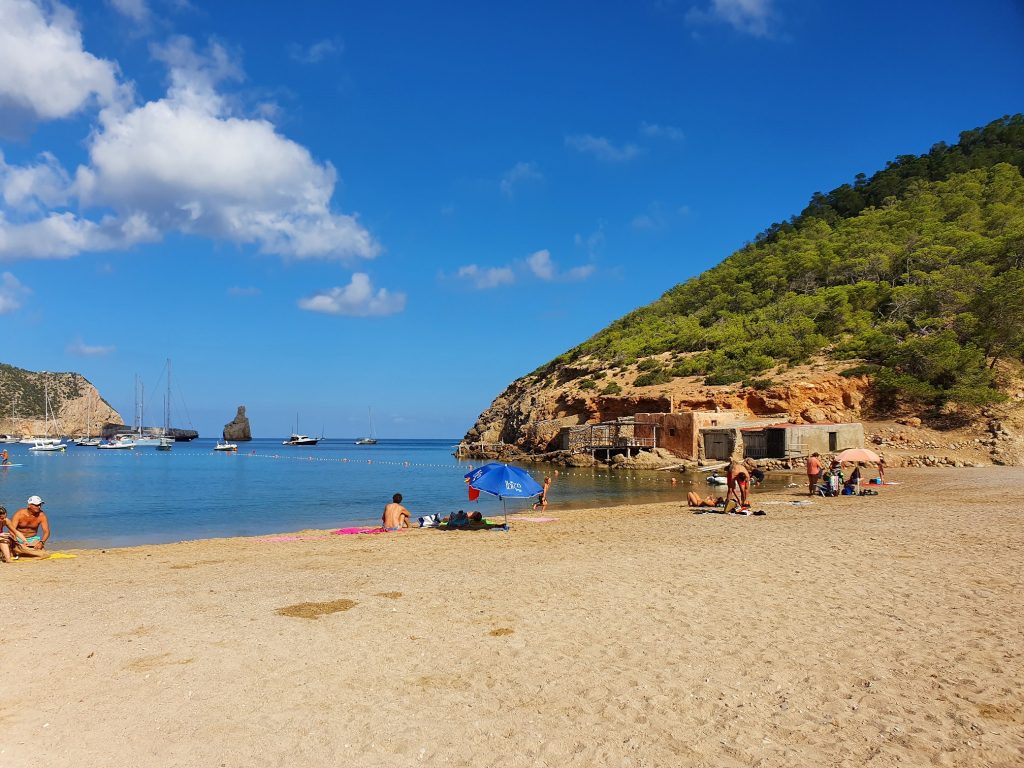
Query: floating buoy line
column 608, row 474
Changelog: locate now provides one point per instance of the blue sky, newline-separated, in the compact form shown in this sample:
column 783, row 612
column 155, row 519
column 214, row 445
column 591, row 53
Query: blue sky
column 317, row 208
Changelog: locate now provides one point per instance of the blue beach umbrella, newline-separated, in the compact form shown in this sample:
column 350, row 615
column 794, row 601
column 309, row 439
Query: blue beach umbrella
column 505, row 482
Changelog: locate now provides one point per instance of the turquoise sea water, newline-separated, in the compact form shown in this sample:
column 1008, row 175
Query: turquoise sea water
column 119, row 498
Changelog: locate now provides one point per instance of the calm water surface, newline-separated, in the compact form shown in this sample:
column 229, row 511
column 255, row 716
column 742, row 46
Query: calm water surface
column 144, row 496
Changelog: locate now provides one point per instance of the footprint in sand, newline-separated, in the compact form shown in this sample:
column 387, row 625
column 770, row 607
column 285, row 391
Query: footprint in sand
column 316, row 610
column 501, row 632
column 390, row 595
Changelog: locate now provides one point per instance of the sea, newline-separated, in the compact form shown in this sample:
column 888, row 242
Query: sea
column 103, row 499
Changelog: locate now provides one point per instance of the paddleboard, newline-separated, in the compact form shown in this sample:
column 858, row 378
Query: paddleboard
column 7, row 466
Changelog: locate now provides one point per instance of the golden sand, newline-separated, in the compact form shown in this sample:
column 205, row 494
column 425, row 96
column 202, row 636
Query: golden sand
column 876, row 631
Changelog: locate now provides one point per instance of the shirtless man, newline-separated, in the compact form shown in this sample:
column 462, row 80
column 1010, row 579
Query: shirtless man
column 395, row 515
column 738, row 479
column 28, row 521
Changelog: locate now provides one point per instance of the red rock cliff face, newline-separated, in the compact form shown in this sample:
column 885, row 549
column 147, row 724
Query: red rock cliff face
column 532, row 410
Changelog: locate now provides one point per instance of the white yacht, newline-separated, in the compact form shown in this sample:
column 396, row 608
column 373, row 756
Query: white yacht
column 301, row 440
column 225, row 446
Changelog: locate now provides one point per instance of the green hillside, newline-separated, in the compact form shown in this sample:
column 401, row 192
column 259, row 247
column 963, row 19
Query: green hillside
column 919, row 271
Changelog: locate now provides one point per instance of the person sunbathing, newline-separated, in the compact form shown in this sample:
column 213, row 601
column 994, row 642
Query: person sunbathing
column 693, row 499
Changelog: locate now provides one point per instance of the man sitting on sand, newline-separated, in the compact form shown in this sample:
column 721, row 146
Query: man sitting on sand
column 693, row 499
column 738, row 479
column 28, row 521
column 395, row 516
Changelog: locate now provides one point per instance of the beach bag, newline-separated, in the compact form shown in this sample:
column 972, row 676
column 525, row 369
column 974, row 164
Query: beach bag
column 430, row 521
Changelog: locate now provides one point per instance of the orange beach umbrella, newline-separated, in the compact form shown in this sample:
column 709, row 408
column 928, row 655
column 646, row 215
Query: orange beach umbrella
column 851, row 455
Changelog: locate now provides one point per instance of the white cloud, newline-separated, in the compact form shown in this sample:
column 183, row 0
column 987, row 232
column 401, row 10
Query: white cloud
column 518, row 173
column 487, row 277
column 602, row 148
column 184, row 163
column 316, row 52
column 357, row 299
column 243, row 290
column 593, row 243
column 543, row 267
column 63, row 235
column 749, row 17
column 44, row 71
column 11, row 293
column 80, row 348
column 656, row 131
column 136, row 10
column 34, row 187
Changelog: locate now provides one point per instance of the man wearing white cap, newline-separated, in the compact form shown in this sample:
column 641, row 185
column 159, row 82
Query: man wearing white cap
column 31, row 522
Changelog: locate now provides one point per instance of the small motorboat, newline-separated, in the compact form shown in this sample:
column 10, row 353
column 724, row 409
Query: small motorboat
column 47, row 447
column 225, row 446
column 165, row 444
column 120, row 443
column 301, row 440
column 88, row 442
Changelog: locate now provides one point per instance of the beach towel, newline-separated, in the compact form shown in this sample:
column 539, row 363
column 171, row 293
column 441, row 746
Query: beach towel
column 350, row 531
column 60, row 556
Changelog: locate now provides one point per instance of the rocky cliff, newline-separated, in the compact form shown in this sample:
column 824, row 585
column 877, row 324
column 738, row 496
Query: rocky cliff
column 531, row 411
column 237, row 430
column 78, row 406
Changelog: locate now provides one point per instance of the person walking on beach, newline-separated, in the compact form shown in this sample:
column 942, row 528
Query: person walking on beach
column 395, row 516
column 28, row 522
column 813, row 472
column 542, row 502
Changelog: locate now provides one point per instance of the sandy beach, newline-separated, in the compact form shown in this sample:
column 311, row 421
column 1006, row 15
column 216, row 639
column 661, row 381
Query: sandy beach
column 884, row 630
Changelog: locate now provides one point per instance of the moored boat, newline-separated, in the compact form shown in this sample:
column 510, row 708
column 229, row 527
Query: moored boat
column 225, row 446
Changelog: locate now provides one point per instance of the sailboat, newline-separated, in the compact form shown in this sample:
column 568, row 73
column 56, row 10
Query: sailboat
column 47, row 443
column 166, row 441
column 297, row 439
column 87, row 439
column 372, row 439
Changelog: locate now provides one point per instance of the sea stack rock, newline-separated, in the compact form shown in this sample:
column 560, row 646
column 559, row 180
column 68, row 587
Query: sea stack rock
column 237, row 430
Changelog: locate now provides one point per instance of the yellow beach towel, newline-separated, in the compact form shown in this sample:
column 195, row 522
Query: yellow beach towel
column 60, row 556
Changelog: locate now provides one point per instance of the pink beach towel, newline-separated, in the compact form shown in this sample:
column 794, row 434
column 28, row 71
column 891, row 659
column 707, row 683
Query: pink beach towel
column 348, row 531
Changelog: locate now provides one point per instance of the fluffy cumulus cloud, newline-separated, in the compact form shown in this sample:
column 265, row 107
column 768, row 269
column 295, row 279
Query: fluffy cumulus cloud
column 12, row 292
column 81, row 349
column 602, row 148
column 45, row 73
column 188, row 163
column 357, row 299
column 750, row 17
